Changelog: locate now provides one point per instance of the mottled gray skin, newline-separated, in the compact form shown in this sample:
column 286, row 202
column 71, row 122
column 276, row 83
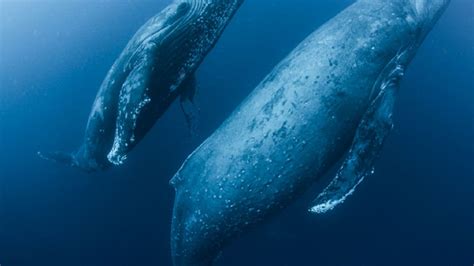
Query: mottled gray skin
column 295, row 125
column 154, row 69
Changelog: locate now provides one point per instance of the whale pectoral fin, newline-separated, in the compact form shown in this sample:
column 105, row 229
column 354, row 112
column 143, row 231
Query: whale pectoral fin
column 190, row 111
column 366, row 146
column 134, row 96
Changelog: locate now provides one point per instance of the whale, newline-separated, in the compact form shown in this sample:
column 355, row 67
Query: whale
column 156, row 67
column 329, row 102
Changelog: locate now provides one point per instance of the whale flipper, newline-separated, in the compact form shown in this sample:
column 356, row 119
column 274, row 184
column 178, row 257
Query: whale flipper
column 134, row 96
column 366, row 146
column 188, row 106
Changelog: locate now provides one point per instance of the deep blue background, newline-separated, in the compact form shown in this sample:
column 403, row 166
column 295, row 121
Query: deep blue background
column 418, row 209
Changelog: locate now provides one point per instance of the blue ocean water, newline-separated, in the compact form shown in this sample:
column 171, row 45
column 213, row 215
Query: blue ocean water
column 418, row 208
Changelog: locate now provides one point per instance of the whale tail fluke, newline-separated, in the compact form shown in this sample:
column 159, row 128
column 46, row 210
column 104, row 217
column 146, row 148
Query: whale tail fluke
column 58, row 157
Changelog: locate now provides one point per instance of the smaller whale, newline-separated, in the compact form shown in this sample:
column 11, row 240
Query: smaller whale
column 156, row 67
column 331, row 97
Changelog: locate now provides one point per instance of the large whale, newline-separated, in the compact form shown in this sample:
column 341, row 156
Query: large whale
column 333, row 95
column 155, row 68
